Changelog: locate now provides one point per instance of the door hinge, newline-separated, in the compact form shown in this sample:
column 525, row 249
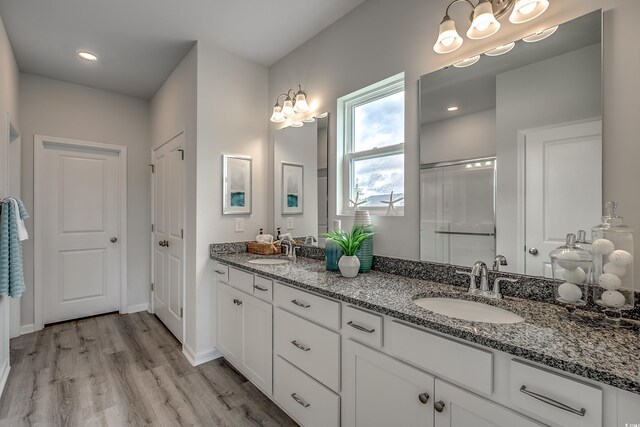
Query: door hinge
column 182, row 233
column 181, row 312
column 153, row 168
column 152, row 228
column 151, row 287
column 181, row 152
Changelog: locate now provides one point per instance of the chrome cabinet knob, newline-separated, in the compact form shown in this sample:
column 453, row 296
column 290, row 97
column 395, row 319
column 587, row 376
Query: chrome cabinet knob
column 423, row 398
column 533, row 251
column 439, row 406
column 114, row 239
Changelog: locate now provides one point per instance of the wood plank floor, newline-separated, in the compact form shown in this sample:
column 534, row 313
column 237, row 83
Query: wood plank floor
column 116, row 370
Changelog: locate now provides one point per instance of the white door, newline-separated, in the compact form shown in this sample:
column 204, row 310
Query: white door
column 563, row 188
column 456, row 407
column 79, row 217
column 257, row 341
column 168, row 255
column 382, row 391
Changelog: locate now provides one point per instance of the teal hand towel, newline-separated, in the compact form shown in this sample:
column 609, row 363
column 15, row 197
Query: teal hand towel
column 11, row 266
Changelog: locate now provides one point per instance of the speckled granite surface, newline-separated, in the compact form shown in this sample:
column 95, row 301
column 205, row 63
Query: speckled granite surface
column 585, row 348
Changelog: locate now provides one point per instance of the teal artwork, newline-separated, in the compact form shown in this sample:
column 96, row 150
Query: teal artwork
column 292, row 200
column 237, row 199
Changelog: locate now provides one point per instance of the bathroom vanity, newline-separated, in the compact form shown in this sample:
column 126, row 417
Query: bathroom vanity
column 333, row 351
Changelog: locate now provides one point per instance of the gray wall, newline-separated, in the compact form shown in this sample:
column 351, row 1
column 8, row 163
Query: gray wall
column 54, row 108
column 381, row 38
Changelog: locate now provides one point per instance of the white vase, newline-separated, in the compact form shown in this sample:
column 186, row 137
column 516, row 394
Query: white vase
column 349, row 266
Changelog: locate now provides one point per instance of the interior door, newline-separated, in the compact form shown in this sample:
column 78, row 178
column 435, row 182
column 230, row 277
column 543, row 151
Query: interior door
column 567, row 156
column 80, row 246
column 168, row 248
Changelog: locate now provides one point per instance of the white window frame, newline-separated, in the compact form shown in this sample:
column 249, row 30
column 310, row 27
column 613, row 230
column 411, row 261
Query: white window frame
column 346, row 141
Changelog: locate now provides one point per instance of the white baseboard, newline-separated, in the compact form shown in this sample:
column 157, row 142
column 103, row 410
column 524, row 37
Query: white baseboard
column 27, row 329
column 4, row 375
column 202, row 357
column 138, row 307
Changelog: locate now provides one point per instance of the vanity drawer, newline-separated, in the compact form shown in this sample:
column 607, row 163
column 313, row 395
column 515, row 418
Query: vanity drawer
column 464, row 364
column 221, row 272
column 263, row 288
column 554, row 397
column 241, row 280
column 303, row 398
column 313, row 307
column 362, row 326
column 310, row 347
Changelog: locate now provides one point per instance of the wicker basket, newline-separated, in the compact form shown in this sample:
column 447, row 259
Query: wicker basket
column 264, row 248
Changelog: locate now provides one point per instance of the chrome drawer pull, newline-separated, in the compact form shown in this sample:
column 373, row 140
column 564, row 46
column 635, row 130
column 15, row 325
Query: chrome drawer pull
column 300, row 346
column 260, row 288
column 360, row 328
column 552, row 402
column 300, row 401
column 300, row 304
column 219, row 271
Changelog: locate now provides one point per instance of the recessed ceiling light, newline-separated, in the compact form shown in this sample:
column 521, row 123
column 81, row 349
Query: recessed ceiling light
column 467, row 62
column 500, row 50
column 536, row 37
column 452, row 109
column 87, row 56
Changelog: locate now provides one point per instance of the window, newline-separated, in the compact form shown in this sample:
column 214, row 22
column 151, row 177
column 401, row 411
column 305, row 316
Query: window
column 371, row 146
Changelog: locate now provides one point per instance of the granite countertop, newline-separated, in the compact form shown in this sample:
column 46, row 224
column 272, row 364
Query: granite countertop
column 585, row 348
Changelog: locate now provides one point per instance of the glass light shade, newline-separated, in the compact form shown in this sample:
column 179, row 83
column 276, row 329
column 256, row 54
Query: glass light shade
column 301, row 105
column 536, row 37
column 526, row 10
column 500, row 50
column 484, row 23
column 287, row 109
column 448, row 38
column 467, row 62
column 277, row 116
column 297, row 125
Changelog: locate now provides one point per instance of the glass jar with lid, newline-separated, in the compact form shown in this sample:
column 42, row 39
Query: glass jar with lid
column 571, row 268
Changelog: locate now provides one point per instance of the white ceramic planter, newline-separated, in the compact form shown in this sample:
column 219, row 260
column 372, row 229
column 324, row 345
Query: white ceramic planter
column 349, row 266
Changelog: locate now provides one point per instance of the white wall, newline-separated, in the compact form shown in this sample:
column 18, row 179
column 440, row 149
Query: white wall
column 8, row 104
column 381, row 38
column 55, row 108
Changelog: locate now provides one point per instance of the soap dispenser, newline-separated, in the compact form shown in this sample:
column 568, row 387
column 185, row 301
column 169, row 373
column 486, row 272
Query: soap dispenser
column 571, row 267
column 612, row 247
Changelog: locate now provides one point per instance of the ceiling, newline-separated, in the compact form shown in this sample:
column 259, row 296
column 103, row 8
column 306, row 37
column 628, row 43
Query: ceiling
column 139, row 42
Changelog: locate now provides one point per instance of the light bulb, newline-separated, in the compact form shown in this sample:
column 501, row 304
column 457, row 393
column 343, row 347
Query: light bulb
column 277, row 116
column 287, row 109
column 526, row 10
column 484, row 23
column 448, row 37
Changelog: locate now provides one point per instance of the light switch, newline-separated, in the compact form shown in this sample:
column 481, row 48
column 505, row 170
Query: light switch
column 289, row 223
column 239, row 225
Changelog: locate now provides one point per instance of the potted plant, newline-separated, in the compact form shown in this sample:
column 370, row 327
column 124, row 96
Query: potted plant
column 349, row 242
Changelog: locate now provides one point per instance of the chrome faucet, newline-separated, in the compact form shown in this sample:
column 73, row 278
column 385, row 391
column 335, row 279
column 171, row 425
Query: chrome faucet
column 310, row 240
column 479, row 269
column 500, row 260
column 287, row 246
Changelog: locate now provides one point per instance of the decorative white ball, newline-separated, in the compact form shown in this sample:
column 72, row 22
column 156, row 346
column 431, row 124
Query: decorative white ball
column 569, row 292
column 569, row 260
column 602, row 246
column 620, row 258
column 576, row 276
column 609, row 281
column 617, row 270
column 613, row 299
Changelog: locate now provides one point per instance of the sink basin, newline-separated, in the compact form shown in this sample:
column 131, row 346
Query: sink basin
column 268, row 261
column 468, row 310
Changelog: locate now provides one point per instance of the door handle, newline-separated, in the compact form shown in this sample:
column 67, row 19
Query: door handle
column 533, row 251
column 114, row 239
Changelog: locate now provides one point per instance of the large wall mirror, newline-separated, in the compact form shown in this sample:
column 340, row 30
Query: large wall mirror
column 300, row 180
column 511, row 150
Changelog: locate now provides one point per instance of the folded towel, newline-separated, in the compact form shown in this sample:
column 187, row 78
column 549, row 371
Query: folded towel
column 11, row 267
column 264, row 238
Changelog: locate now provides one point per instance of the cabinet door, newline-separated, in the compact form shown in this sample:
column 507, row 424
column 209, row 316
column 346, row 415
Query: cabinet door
column 229, row 323
column 257, row 342
column 382, row 391
column 461, row 408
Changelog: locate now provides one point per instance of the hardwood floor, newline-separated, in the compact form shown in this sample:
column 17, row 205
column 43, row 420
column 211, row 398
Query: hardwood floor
column 116, row 370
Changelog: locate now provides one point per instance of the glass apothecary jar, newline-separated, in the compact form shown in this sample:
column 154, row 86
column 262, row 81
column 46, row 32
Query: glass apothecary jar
column 612, row 249
column 571, row 268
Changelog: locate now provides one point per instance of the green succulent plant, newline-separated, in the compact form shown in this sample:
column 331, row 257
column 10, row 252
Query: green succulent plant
column 350, row 242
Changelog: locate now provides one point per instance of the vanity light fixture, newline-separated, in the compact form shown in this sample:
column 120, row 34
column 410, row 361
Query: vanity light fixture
column 295, row 102
column 484, row 20
column 536, row 37
column 500, row 50
column 297, row 124
column 454, row 108
column 467, row 62
column 87, row 56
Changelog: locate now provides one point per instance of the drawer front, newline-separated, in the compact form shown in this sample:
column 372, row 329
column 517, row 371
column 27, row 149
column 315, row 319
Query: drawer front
column 221, row 272
column 312, row 348
column 467, row 365
column 362, row 326
column 263, row 288
column 241, row 280
column 313, row 307
column 555, row 398
column 303, row 398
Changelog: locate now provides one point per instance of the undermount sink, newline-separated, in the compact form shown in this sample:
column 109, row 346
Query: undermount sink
column 468, row 310
column 268, row 261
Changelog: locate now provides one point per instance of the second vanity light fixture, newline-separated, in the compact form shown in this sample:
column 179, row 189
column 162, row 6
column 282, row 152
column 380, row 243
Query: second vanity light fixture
column 484, row 20
column 295, row 102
